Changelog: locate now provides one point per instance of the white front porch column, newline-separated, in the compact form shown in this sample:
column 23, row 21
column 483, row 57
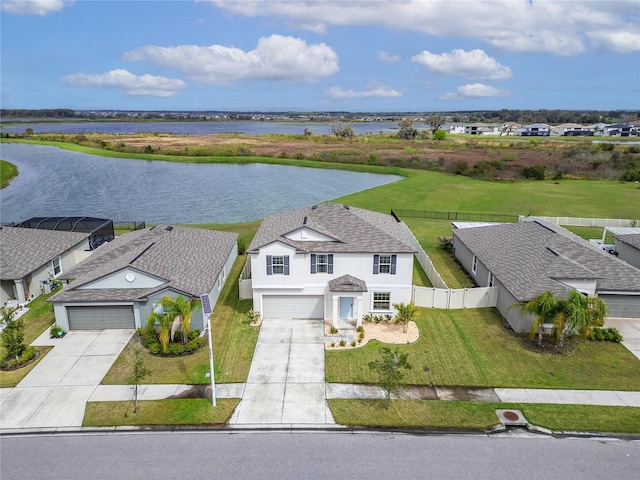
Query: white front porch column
column 336, row 310
column 359, row 311
column 19, row 290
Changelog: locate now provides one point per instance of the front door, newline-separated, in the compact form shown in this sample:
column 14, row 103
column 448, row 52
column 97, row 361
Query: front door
column 346, row 307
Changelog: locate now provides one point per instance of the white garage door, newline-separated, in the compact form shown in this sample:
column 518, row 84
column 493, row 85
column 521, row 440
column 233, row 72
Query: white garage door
column 293, row 306
column 100, row 318
column 622, row 306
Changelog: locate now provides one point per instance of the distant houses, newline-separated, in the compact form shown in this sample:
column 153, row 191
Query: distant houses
column 545, row 130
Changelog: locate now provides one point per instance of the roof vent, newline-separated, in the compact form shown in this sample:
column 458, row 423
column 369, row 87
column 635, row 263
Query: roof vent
column 169, row 228
column 304, row 222
column 346, row 207
column 314, row 207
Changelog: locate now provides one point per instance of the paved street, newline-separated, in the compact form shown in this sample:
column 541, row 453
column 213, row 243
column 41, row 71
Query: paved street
column 316, row 455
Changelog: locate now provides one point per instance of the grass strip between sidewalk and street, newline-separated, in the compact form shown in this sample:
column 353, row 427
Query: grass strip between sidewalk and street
column 481, row 416
column 179, row 411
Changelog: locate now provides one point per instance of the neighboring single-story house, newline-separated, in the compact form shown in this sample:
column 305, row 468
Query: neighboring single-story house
column 627, row 244
column 571, row 130
column 508, row 128
column 525, row 259
column 330, row 261
column 619, row 130
column 31, row 259
column 482, row 129
column 123, row 280
column 534, row 130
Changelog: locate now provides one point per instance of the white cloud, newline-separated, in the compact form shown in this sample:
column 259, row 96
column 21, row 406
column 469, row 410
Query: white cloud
column 474, row 90
column 374, row 90
column 34, row 7
column 133, row 85
column 558, row 27
column 622, row 41
column 275, row 58
column 474, row 64
column 388, row 57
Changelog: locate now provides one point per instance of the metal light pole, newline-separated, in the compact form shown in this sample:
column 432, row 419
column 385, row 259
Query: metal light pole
column 206, row 309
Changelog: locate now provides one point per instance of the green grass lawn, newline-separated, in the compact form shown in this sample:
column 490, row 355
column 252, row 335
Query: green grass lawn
column 38, row 318
column 472, row 347
column 187, row 411
column 233, row 344
column 482, row 416
column 8, row 171
column 424, row 190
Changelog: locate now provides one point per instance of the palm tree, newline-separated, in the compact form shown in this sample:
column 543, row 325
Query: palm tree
column 544, row 306
column 179, row 311
column 163, row 334
column 580, row 313
column 405, row 314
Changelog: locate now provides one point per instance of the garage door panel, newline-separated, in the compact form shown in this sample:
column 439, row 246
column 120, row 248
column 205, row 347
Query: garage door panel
column 623, row 306
column 293, row 306
column 100, row 318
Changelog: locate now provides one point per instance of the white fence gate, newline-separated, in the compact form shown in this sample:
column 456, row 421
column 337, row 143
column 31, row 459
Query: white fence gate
column 448, row 298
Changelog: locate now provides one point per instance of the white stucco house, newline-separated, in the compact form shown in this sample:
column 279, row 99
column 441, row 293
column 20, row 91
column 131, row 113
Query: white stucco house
column 30, row 259
column 123, row 280
column 330, row 261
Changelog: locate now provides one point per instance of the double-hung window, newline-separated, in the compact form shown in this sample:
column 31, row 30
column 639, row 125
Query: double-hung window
column 321, row 263
column 56, row 266
column 277, row 264
column 474, row 265
column 381, row 300
column 491, row 280
column 384, row 264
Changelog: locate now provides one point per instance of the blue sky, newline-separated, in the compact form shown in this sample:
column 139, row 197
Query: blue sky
column 351, row 55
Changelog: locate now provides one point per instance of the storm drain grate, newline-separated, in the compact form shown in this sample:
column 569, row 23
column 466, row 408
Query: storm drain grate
column 511, row 418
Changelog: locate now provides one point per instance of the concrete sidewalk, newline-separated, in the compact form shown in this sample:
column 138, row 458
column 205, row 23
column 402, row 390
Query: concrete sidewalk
column 372, row 392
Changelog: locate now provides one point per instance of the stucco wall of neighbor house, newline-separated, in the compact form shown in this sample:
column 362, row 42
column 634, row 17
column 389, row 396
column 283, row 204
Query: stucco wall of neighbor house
column 126, row 278
column 587, row 286
column 70, row 257
column 628, row 253
column 518, row 321
column 463, row 254
column 6, row 291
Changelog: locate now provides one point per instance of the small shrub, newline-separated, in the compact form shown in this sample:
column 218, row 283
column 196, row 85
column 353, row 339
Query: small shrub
column 367, row 318
column 509, row 157
column 360, row 329
column 56, row 331
column 439, row 135
column 333, row 344
column 353, row 344
column 600, row 334
column 194, row 344
column 607, row 147
column 536, row 172
column 343, row 343
column 333, row 330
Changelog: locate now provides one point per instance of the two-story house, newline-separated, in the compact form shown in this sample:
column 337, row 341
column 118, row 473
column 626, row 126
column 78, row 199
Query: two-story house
column 330, row 261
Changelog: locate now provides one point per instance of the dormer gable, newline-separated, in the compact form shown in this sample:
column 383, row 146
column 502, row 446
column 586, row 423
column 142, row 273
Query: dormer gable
column 306, row 234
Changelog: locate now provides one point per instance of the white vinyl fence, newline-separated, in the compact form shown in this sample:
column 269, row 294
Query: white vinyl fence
column 481, row 297
column 425, row 261
column 246, row 284
column 588, row 222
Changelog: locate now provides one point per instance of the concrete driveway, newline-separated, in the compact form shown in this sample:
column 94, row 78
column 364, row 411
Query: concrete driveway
column 55, row 392
column 286, row 381
column 629, row 328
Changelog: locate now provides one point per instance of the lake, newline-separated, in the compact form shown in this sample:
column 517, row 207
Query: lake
column 55, row 182
column 199, row 128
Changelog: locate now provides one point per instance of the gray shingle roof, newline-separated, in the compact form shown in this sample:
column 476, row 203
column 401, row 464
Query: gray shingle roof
column 24, row 250
column 347, row 283
column 632, row 240
column 353, row 230
column 189, row 260
column 529, row 257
